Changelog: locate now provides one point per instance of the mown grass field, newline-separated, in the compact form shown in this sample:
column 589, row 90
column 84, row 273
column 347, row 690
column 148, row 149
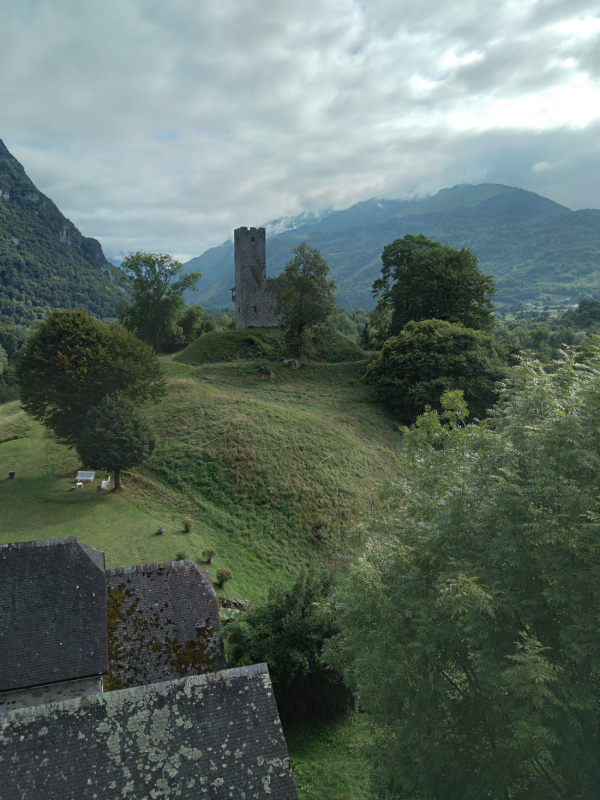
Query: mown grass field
column 273, row 467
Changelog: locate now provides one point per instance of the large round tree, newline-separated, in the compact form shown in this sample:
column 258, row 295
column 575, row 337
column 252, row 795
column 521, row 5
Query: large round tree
column 73, row 361
column 422, row 279
column 429, row 357
column 115, row 436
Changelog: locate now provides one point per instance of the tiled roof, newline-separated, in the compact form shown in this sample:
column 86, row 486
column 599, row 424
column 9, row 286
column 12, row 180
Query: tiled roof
column 163, row 622
column 52, row 613
column 216, row 736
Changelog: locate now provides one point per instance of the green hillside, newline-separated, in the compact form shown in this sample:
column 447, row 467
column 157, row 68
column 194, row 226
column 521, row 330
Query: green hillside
column 261, row 343
column 532, row 246
column 45, row 262
column 274, row 472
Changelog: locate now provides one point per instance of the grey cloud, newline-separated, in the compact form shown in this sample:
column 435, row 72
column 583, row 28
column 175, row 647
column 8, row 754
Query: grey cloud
column 163, row 125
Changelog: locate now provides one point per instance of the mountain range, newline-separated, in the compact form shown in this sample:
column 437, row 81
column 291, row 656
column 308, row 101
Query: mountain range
column 45, row 262
column 534, row 248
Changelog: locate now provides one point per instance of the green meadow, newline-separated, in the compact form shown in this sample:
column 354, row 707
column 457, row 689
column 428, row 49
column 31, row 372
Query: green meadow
column 274, row 467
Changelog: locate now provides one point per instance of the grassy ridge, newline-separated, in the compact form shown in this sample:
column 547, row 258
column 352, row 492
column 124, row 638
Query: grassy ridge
column 272, row 471
column 261, row 344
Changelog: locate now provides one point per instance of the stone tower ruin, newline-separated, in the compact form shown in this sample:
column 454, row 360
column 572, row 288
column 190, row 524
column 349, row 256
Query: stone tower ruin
column 253, row 293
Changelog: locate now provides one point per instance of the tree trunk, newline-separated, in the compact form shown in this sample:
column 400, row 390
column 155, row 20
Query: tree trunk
column 117, row 479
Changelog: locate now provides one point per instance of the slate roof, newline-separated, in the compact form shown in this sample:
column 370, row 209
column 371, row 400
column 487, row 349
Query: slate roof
column 216, row 736
column 52, row 613
column 163, row 623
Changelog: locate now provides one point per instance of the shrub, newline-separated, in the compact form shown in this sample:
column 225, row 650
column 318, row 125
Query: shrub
column 181, row 556
column 208, row 555
column 188, row 525
column 223, row 576
column 289, row 633
column 427, row 358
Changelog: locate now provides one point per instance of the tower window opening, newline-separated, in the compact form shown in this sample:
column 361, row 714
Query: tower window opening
column 255, row 310
column 253, row 238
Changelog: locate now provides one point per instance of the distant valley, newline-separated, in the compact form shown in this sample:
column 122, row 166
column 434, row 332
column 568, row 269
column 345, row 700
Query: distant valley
column 534, row 248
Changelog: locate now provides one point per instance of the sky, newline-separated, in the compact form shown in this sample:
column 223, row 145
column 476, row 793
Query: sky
column 162, row 125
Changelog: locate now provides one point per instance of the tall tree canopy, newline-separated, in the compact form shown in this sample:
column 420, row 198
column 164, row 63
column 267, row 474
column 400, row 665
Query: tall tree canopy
column 73, row 361
column 305, row 299
column 415, row 367
column 471, row 624
column 115, row 435
column 158, row 297
column 422, row 279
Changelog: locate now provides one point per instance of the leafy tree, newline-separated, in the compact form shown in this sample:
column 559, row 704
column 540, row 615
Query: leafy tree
column 305, row 299
column 422, row 279
column 3, row 359
column 470, row 623
column 289, row 633
column 192, row 323
column 428, row 357
column 115, row 436
column 158, row 297
column 73, row 361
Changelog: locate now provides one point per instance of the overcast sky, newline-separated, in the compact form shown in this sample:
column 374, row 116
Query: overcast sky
column 163, row 124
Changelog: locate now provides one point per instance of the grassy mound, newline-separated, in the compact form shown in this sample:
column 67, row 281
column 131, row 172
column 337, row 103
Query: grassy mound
column 261, row 343
column 273, row 468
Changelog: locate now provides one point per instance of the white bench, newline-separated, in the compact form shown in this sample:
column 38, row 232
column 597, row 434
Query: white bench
column 105, row 484
column 82, row 475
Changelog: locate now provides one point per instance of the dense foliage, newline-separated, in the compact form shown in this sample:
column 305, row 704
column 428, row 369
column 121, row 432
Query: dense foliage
column 115, row 436
column 45, row 262
column 421, row 279
column 289, row 634
column 305, row 299
column 414, row 368
column 157, row 308
column 471, row 624
column 73, row 361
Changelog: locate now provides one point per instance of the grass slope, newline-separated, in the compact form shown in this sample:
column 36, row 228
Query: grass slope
column 272, row 471
column 260, row 344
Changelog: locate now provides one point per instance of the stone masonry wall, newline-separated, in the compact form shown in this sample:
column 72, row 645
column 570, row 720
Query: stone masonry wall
column 208, row 736
column 163, row 623
column 254, row 297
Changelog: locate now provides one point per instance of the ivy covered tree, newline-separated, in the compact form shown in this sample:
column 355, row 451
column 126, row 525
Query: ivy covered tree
column 158, row 302
column 115, row 436
column 305, row 299
column 72, row 361
column 422, row 279
column 471, row 623
column 415, row 367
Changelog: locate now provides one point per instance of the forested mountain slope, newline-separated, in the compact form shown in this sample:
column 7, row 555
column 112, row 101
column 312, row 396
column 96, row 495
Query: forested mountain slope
column 45, row 262
column 532, row 246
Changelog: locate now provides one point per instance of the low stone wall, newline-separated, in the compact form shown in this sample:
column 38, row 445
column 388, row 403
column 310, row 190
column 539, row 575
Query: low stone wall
column 216, row 736
column 163, row 623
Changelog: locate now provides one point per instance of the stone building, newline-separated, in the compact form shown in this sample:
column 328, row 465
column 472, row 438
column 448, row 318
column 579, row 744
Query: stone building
column 185, row 726
column 253, row 293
